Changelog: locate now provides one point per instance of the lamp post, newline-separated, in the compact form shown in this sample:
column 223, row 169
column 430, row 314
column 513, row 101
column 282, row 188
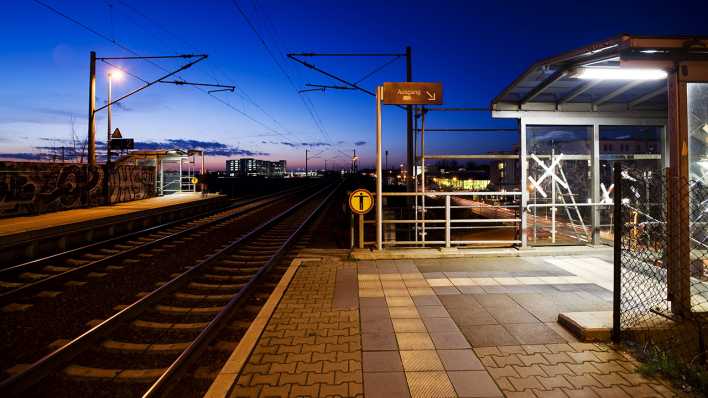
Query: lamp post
column 118, row 74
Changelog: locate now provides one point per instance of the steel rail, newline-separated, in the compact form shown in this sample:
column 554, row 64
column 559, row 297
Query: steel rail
column 162, row 386
column 11, row 295
column 116, row 239
column 36, row 372
column 59, row 235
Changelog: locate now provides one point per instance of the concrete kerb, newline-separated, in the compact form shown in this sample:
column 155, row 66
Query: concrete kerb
column 424, row 253
column 225, row 380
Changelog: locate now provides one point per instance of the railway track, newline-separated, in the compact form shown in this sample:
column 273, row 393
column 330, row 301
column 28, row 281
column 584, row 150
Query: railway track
column 147, row 346
column 74, row 302
column 40, row 274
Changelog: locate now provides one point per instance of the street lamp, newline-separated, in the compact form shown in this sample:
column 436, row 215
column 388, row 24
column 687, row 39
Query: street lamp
column 118, row 75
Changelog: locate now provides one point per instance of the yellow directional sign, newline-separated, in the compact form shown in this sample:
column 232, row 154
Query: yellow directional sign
column 361, row 201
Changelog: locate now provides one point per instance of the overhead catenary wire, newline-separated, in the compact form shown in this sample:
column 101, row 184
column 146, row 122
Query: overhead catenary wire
column 131, row 51
column 265, row 45
column 241, row 92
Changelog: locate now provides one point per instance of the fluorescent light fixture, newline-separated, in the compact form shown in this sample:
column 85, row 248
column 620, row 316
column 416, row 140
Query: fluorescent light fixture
column 598, row 73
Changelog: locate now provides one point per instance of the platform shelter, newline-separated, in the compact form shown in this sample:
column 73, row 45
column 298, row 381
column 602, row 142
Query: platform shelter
column 637, row 100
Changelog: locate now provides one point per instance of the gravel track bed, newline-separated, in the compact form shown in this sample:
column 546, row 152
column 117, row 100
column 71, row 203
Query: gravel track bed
column 24, row 335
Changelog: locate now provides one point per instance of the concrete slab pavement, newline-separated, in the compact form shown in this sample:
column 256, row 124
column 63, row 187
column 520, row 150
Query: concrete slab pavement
column 444, row 327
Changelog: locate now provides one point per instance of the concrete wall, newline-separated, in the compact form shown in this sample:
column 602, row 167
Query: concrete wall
column 36, row 187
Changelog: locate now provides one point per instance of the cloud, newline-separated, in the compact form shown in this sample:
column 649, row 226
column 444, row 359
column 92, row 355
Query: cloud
column 302, row 144
column 360, row 143
column 212, row 148
column 23, row 156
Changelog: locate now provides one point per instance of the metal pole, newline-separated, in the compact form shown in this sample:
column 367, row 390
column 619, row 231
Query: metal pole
column 595, row 181
column 386, row 168
column 361, row 231
column 617, row 282
column 107, row 174
column 422, row 170
column 553, row 197
column 92, row 111
column 447, row 220
column 202, row 173
column 379, row 185
column 413, row 176
column 305, row 162
column 409, row 121
column 351, row 231
column 522, row 185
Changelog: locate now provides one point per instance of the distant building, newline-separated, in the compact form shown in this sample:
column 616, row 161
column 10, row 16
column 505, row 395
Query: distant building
column 504, row 174
column 233, row 168
column 249, row 167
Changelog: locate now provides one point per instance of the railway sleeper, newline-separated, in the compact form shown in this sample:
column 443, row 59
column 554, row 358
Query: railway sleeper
column 76, row 261
column 192, row 326
column 128, row 375
column 235, row 270
column 139, row 348
column 202, row 297
column 212, row 286
column 33, row 276
column 172, row 309
column 55, row 268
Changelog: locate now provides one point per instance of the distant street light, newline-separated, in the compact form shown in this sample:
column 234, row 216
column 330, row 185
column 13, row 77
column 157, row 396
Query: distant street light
column 118, row 75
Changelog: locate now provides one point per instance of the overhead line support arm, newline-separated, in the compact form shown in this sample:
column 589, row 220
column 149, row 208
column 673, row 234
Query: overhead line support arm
column 330, row 75
column 141, row 88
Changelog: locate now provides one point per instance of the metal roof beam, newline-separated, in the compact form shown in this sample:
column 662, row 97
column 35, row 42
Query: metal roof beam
column 646, row 97
column 578, row 91
column 557, row 75
column 617, row 92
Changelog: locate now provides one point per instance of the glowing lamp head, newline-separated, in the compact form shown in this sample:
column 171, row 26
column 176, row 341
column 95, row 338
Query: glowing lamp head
column 116, row 74
column 608, row 73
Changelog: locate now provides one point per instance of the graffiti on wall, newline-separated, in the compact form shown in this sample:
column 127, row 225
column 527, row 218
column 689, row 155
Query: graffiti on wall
column 34, row 187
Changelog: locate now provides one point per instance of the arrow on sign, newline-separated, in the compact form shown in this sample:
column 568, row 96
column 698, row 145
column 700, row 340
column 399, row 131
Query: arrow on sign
column 431, row 97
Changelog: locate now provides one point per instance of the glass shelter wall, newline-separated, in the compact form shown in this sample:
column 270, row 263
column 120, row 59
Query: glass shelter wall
column 558, row 182
column 569, row 178
column 697, row 104
column 636, row 147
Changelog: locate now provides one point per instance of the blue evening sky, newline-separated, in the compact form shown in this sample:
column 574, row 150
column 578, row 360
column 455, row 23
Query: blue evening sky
column 473, row 48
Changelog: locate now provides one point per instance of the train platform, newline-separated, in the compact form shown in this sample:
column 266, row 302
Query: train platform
column 29, row 236
column 445, row 327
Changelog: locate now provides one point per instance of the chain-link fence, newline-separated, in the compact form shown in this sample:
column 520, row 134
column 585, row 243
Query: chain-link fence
column 663, row 289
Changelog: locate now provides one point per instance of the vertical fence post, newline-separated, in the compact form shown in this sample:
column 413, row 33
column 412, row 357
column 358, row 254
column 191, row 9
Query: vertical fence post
column 447, row 220
column 361, row 231
column 617, row 220
column 351, row 231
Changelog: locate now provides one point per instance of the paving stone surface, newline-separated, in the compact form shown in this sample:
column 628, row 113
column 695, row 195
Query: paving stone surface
column 437, row 328
column 311, row 346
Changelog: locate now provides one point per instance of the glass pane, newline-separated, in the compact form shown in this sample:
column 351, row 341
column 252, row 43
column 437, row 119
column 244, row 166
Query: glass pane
column 558, row 184
column 697, row 101
column 638, row 148
column 698, row 131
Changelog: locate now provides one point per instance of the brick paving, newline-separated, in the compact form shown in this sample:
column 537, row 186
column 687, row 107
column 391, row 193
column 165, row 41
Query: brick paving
column 387, row 329
column 311, row 346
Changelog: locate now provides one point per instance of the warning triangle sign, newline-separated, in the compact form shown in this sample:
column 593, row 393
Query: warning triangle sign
column 116, row 134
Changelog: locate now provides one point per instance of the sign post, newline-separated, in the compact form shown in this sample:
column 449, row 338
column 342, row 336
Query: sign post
column 361, row 202
column 379, row 173
column 412, row 93
column 401, row 93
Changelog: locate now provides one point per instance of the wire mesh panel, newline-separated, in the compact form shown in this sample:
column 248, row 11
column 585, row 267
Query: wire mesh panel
column 664, row 295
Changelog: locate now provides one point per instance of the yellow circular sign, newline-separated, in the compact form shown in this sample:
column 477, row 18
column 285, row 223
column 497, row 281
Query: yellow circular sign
column 195, row 180
column 361, row 201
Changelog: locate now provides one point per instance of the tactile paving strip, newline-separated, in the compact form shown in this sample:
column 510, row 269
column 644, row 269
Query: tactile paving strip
column 415, row 361
column 429, row 384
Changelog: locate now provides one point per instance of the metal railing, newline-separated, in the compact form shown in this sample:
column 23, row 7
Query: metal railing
column 422, row 226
